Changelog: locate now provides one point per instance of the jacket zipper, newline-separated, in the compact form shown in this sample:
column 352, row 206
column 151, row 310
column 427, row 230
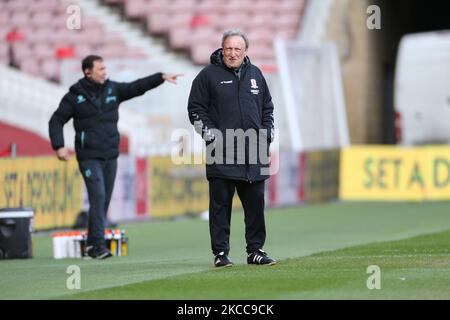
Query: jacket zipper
column 242, row 124
column 82, row 139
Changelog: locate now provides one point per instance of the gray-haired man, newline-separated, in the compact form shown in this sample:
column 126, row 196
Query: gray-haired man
column 232, row 94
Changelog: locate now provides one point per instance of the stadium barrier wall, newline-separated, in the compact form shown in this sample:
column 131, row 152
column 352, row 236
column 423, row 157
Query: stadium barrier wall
column 154, row 187
column 321, row 176
column 175, row 190
column 380, row 173
column 54, row 189
column 285, row 187
column 123, row 206
column 306, row 177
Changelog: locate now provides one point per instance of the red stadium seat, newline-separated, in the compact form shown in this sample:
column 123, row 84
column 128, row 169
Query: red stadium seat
column 261, row 7
column 201, row 20
column 30, row 66
column 290, row 6
column 43, row 51
column 65, row 52
column 260, row 52
column 182, row 6
column 41, row 18
column 232, row 21
column 158, row 23
column 50, row 69
column 19, row 19
column 180, row 20
column 261, row 36
column 4, row 19
column 201, row 53
column 157, row 6
column 210, row 7
column 264, row 21
column 59, row 22
column 14, row 35
column 17, row 6
column 48, row 6
column 180, row 38
column 82, row 50
column 136, row 8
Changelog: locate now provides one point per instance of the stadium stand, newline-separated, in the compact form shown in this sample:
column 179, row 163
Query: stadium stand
column 35, row 41
column 28, row 102
column 35, row 38
column 196, row 25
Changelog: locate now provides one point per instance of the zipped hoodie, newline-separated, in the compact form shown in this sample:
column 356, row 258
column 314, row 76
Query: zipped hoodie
column 222, row 99
column 95, row 112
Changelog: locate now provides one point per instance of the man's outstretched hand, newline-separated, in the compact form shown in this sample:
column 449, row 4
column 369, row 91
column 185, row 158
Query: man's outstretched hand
column 62, row 154
column 172, row 78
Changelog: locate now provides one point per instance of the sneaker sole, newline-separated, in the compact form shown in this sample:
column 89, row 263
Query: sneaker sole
column 106, row 255
column 225, row 266
column 262, row 264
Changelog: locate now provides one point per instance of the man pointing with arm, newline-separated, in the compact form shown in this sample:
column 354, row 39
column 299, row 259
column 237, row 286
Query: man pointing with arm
column 93, row 103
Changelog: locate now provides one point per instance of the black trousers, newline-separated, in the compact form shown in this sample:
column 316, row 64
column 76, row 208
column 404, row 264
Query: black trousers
column 221, row 192
column 99, row 177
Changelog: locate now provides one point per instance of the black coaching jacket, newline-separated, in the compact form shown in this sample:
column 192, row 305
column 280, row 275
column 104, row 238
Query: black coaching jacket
column 221, row 99
column 94, row 109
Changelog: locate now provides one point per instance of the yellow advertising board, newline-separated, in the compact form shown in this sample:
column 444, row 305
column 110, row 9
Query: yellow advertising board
column 176, row 190
column 383, row 173
column 51, row 187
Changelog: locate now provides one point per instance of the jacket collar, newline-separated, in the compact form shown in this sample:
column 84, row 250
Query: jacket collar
column 217, row 59
column 89, row 90
column 86, row 86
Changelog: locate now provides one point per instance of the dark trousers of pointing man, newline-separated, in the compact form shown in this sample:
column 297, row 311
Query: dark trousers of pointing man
column 99, row 176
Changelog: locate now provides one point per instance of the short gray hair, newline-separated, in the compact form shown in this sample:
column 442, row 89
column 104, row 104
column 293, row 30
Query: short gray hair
column 235, row 32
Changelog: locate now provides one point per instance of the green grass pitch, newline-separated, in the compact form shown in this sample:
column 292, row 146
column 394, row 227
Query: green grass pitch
column 323, row 251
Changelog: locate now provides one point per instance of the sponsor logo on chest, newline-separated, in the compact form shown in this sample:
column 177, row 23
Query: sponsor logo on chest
column 254, row 86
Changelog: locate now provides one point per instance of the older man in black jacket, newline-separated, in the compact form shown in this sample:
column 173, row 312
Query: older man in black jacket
column 231, row 107
column 93, row 103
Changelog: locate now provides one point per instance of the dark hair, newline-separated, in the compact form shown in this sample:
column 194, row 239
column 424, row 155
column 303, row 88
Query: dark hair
column 88, row 62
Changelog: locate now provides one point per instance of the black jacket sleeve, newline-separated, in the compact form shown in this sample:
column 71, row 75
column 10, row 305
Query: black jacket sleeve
column 198, row 105
column 129, row 90
column 59, row 118
column 267, row 112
